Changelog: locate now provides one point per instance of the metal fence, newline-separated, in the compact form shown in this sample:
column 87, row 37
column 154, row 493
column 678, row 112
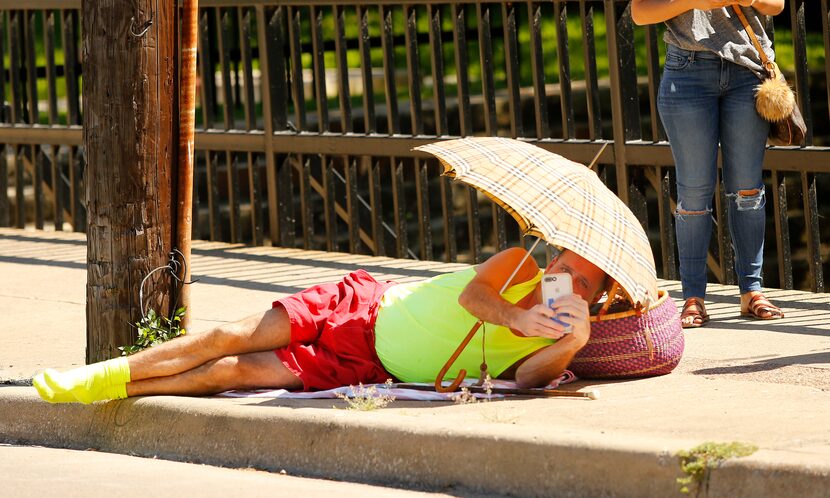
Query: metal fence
column 309, row 110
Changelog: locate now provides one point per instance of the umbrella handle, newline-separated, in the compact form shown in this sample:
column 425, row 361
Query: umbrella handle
column 462, row 373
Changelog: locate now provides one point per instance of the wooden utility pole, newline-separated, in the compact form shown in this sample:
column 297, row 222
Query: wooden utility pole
column 129, row 97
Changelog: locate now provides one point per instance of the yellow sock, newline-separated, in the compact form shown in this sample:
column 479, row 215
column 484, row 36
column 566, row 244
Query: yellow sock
column 96, row 382
column 47, row 394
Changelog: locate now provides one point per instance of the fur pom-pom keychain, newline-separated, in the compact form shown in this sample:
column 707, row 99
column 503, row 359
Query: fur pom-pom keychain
column 774, row 99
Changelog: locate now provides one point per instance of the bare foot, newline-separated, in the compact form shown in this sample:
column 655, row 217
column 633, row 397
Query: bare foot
column 694, row 313
column 755, row 305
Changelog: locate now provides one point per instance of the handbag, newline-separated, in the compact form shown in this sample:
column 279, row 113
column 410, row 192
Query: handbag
column 774, row 99
column 632, row 343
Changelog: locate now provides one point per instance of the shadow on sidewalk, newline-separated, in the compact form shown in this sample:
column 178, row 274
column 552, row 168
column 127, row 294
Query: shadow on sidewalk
column 767, row 364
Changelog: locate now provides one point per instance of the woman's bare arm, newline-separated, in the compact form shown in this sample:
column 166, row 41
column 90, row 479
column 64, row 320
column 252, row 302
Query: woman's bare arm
column 654, row 11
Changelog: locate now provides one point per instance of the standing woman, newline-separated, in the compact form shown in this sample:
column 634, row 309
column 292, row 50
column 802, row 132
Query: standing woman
column 706, row 98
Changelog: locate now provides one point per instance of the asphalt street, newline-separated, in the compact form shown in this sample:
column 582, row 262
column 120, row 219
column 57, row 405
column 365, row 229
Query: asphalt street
column 36, row 472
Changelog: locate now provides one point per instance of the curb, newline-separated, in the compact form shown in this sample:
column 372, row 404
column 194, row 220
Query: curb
column 391, row 450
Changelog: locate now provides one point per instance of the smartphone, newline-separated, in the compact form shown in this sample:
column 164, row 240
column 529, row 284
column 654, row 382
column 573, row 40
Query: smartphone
column 554, row 286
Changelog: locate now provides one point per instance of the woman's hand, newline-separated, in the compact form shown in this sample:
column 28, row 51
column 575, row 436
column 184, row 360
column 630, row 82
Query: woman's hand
column 766, row 7
column 718, row 4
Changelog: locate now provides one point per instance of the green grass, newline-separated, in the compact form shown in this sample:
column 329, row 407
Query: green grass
column 785, row 52
column 815, row 50
column 697, row 463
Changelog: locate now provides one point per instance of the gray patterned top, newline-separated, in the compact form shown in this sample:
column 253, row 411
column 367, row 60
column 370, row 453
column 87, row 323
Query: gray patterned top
column 720, row 31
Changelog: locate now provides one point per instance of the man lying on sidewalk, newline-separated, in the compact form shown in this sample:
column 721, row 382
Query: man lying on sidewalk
column 360, row 330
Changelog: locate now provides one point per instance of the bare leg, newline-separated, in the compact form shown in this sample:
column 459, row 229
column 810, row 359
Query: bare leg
column 261, row 332
column 108, row 380
column 245, row 371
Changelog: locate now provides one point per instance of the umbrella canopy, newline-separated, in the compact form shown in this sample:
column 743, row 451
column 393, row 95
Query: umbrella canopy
column 559, row 200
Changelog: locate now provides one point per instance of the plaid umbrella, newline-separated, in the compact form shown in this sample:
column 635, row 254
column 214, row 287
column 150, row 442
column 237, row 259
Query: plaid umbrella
column 559, row 200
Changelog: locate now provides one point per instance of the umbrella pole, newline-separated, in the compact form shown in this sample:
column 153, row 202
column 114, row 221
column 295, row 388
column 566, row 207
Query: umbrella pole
column 463, row 373
column 596, row 157
column 516, row 270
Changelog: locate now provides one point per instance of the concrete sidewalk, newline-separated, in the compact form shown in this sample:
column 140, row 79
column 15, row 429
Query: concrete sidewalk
column 765, row 383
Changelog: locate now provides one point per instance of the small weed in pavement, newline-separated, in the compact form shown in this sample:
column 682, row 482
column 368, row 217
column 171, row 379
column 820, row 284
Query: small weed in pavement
column 465, row 397
column 697, row 462
column 367, row 398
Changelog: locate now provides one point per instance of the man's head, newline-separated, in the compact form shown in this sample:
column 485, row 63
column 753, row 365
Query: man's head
column 589, row 281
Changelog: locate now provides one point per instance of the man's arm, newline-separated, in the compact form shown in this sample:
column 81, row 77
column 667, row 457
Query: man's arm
column 549, row 363
column 654, row 11
column 482, row 299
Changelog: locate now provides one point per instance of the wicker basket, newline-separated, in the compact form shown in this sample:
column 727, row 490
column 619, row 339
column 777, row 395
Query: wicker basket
column 630, row 345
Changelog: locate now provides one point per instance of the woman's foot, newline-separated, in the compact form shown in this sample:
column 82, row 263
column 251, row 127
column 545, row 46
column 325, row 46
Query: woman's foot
column 755, row 305
column 694, row 313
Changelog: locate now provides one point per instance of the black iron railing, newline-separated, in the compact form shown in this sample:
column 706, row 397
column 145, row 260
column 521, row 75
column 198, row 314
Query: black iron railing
column 309, row 110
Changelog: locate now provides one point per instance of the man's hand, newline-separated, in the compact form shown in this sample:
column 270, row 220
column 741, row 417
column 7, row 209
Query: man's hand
column 539, row 321
column 571, row 312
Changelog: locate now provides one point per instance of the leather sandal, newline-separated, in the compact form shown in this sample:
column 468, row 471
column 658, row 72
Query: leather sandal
column 693, row 308
column 759, row 308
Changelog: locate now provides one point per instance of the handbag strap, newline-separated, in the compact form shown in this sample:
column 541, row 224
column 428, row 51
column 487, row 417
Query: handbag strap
column 768, row 64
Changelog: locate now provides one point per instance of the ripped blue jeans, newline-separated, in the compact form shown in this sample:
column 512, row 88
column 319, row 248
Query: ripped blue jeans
column 705, row 101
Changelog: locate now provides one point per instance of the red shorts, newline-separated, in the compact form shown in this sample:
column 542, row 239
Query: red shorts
column 333, row 333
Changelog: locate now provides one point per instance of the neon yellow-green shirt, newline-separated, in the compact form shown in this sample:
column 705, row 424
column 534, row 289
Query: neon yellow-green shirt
column 420, row 324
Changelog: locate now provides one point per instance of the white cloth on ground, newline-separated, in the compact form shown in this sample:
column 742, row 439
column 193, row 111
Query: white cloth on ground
column 399, row 393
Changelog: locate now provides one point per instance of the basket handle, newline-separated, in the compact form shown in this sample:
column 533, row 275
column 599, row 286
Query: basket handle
column 607, row 304
column 649, row 342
